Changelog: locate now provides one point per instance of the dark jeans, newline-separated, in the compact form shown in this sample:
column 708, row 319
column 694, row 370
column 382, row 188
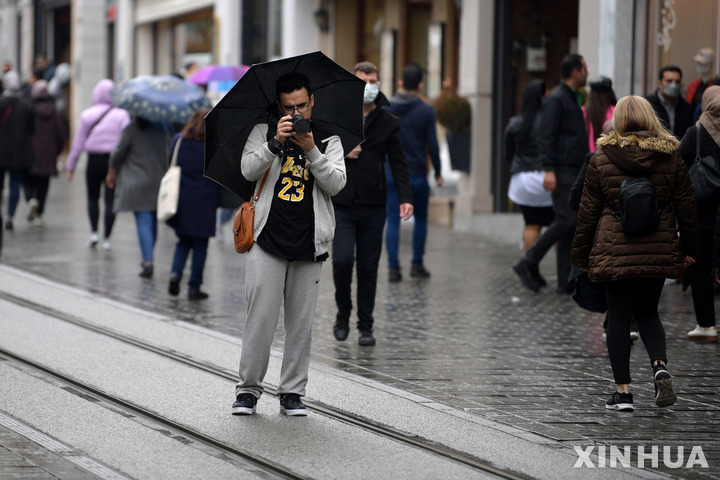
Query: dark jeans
column 638, row 298
column 16, row 179
column 560, row 231
column 701, row 280
column 358, row 231
column 37, row 186
column 95, row 174
column 421, row 200
column 197, row 265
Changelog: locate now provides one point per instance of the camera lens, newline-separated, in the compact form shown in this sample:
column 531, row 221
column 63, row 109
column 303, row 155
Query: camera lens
column 301, row 124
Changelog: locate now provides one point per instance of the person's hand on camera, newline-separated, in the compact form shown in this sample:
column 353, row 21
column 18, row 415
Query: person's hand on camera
column 306, row 142
column 687, row 261
column 284, row 129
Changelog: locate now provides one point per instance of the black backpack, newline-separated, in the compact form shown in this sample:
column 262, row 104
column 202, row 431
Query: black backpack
column 639, row 213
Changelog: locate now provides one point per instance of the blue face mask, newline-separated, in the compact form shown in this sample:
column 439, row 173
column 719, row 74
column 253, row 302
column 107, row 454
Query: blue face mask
column 371, row 93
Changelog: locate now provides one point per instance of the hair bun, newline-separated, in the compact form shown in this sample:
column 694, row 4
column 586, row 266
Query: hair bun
column 601, row 83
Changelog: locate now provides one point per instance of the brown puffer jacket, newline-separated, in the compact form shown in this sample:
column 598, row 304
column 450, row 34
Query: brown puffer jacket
column 600, row 244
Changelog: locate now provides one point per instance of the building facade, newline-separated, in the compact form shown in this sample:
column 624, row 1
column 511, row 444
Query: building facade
column 489, row 48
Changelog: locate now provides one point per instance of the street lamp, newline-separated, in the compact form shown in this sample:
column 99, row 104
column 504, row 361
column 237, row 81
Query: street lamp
column 322, row 19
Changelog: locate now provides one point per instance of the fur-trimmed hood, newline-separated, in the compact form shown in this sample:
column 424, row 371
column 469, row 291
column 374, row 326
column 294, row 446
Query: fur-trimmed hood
column 636, row 152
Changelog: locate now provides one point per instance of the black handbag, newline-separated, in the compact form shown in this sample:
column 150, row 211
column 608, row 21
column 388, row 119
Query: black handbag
column 587, row 294
column 704, row 175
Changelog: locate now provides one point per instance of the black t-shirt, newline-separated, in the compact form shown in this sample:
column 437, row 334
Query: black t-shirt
column 290, row 229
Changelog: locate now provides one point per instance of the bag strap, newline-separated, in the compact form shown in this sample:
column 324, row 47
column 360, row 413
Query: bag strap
column 257, row 195
column 97, row 122
column 173, row 162
column 697, row 143
column 7, row 112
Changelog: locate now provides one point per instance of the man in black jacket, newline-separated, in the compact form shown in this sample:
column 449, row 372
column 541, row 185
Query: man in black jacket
column 360, row 208
column 675, row 113
column 562, row 145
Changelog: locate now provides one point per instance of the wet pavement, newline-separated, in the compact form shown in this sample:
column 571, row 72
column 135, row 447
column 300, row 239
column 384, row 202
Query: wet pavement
column 471, row 336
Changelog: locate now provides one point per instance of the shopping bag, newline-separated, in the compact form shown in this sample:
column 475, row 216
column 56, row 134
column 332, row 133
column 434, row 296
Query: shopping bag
column 169, row 193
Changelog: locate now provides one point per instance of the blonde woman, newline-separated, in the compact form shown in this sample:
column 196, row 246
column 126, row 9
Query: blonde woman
column 633, row 269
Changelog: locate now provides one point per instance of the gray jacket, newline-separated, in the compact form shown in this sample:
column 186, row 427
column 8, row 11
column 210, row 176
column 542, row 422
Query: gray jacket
column 140, row 159
column 328, row 169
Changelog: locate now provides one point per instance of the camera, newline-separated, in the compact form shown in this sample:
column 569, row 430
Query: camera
column 301, row 124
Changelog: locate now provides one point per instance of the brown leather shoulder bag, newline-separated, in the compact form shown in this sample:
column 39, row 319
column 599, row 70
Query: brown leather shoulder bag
column 244, row 221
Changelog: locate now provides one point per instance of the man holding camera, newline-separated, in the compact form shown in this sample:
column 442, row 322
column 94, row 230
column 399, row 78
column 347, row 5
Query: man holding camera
column 360, row 208
column 294, row 224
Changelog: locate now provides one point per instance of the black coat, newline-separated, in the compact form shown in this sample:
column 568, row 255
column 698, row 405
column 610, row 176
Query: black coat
column 708, row 211
column 563, row 140
column 366, row 180
column 16, row 143
column 522, row 151
column 199, row 196
column 683, row 114
column 49, row 137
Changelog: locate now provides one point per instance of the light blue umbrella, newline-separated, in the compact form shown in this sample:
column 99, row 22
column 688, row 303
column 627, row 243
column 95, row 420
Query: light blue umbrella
column 160, row 98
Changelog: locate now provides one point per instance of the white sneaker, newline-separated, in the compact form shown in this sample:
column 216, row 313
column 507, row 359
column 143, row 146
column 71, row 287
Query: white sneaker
column 33, row 205
column 703, row 334
column 38, row 222
column 94, row 239
column 106, row 245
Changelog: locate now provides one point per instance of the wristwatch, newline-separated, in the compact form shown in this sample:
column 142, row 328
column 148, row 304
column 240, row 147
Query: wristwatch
column 275, row 146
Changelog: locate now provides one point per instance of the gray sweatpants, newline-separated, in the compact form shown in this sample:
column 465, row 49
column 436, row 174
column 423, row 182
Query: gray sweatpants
column 270, row 280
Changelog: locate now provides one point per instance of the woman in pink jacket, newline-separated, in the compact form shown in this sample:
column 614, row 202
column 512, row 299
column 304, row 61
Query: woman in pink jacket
column 98, row 133
column 599, row 109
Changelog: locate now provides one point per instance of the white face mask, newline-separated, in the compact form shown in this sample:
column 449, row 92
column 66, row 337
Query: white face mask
column 672, row 90
column 702, row 69
column 371, row 93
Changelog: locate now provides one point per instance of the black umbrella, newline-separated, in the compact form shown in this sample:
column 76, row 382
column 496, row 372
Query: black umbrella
column 338, row 111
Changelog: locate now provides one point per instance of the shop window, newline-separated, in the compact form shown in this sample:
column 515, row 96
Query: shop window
column 677, row 29
column 194, row 40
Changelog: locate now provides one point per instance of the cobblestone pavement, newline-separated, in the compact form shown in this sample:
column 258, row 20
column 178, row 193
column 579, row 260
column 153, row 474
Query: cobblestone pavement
column 470, row 336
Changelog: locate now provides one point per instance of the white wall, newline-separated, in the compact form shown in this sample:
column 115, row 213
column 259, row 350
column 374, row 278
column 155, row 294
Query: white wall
column 88, row 54
column 475, row 83
column 300, row 33
column 605, row 40
column 229, row 31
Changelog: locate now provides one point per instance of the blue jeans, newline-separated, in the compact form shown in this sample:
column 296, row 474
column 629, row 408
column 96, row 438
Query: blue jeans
column 146, row 223
column 16, row 179
column 421, row 199
column 358, row 232
column 182, row 250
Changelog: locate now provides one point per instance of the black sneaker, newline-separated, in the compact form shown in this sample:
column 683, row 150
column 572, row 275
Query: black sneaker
column 523, row 268
column 147, row 270
column 174, row 286
column 622, row 402
column 664, row 394
column 197, row 295
column 366, row 339
column 290, row 404
column 535, row 273
column 244, row 404
column 394, row 275
column 419, row 271
column 341, row 331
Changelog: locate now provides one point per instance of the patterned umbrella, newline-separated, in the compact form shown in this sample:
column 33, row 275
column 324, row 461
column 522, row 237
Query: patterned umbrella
column 218, row 73
column 160, row 98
